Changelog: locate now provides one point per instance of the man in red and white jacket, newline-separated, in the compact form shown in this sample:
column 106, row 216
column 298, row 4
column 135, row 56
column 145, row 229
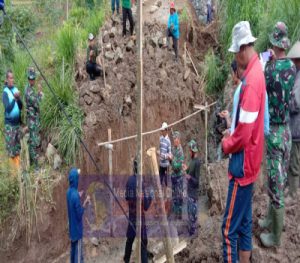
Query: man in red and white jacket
column 245, row 145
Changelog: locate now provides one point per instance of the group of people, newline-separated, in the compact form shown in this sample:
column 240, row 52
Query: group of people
column 170, row 158
column 13, row 107
column 266, row 106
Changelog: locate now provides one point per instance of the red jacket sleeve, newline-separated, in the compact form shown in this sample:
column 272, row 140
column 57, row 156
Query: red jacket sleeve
column 250, row 106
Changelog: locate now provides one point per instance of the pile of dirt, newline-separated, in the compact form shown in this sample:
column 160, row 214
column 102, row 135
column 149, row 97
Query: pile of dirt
column 170, row 92
column 207, row 246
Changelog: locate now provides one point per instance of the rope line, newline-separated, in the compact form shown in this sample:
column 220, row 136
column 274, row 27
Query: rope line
column 159, row 129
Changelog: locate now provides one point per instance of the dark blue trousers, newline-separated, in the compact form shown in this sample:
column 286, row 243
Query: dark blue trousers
column 77, row 251
column 237, row 222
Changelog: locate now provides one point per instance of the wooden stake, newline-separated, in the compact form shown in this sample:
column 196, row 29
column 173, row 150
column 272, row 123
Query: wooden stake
column 192, row 62
column 184, row 56
column 111, row 200
column 140, row 126
column 167, row 240
column 206, row 137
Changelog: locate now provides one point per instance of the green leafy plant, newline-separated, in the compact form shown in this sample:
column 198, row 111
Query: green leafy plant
column 214, row 73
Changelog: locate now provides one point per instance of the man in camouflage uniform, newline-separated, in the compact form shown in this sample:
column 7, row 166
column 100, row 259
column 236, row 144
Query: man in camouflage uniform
column 177, row 176
column 294, row 167
column 33, row 100
column 280, row 75
column 192, row 174
column 92, row 68
column 12, row 110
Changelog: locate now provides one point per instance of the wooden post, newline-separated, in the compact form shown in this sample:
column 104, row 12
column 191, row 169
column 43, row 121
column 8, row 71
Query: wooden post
column 167, row 240
column 140, row 126
column 184, row 56
column 206, row 137
column 111, row 200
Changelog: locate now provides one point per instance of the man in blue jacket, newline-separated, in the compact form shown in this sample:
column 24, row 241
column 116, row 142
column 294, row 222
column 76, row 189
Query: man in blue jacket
column 173, row 28
column 130, row 195
column 12, row 119
column 75, row 213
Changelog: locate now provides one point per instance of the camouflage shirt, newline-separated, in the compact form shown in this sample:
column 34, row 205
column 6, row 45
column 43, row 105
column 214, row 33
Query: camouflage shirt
column 280, row 77
column 32, row 100
column 96, row 53
column 178, row 159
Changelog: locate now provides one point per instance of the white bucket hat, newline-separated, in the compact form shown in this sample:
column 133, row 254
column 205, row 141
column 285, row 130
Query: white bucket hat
column 164, row 126
column 91, row 36
column 295, row 51
column 241, row 35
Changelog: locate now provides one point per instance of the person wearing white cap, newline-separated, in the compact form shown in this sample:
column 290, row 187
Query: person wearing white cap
column 92, row 68
column 164, row 154
column 294, row 167
column 245, row 145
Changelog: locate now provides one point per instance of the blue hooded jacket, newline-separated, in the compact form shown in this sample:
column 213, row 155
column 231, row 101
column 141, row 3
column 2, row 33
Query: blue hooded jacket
column 174, row 19
column 75, row 210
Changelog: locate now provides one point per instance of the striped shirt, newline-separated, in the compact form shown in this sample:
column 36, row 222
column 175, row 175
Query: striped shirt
column 165, row 150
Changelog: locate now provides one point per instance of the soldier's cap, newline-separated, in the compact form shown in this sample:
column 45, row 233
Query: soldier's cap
column 176, row 134
column 193, row 146
column 241, row 35
column 91, row 36
column 31, row 74
column 279, row 36
column 295, row 51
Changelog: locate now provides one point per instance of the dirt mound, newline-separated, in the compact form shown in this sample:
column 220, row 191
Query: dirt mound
column 170, row 92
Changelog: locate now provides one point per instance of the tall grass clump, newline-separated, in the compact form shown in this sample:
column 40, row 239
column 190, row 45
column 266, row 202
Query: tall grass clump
column 278, row 10
column 95, row 20
column 215, row 73
column 66, row 42
column 54, row 122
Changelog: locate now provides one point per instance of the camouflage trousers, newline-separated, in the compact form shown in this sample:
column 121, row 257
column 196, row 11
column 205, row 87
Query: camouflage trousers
column 177, row 193
column 192, row 208
column 34, row 140
column 278, row 156
column 12, row 140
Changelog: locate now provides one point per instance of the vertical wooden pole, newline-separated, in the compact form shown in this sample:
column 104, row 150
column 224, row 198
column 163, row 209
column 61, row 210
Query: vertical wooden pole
column 206, row 138
column 140, row 125
column 110, row 185
column 167, row 239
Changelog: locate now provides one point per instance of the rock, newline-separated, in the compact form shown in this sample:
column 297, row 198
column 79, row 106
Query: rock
column 153, row 9
column 113, row 32
column 109, row 55
column 91, row 119
column 130, row 45
column 94, row 241
column 119, row 76
column 158, row 3
column 118, row 55
column 95, row 88
column 186, row 74
column 107, row 47
column 128, row 99
column 50, row 152
column 87, row 99
column 161, row 42
column 105, row 37
column 153, row 41
column 163, row 74
column 151, row 52
column 105, row 92
column 57, row 162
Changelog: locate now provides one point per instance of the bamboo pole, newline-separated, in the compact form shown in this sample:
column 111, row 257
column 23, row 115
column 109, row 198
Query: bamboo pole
column 110, row 184
column 140, row 125
column 167, row 240
column 206, row 137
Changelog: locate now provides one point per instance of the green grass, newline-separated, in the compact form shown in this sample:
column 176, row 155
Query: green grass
column 215, row 73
